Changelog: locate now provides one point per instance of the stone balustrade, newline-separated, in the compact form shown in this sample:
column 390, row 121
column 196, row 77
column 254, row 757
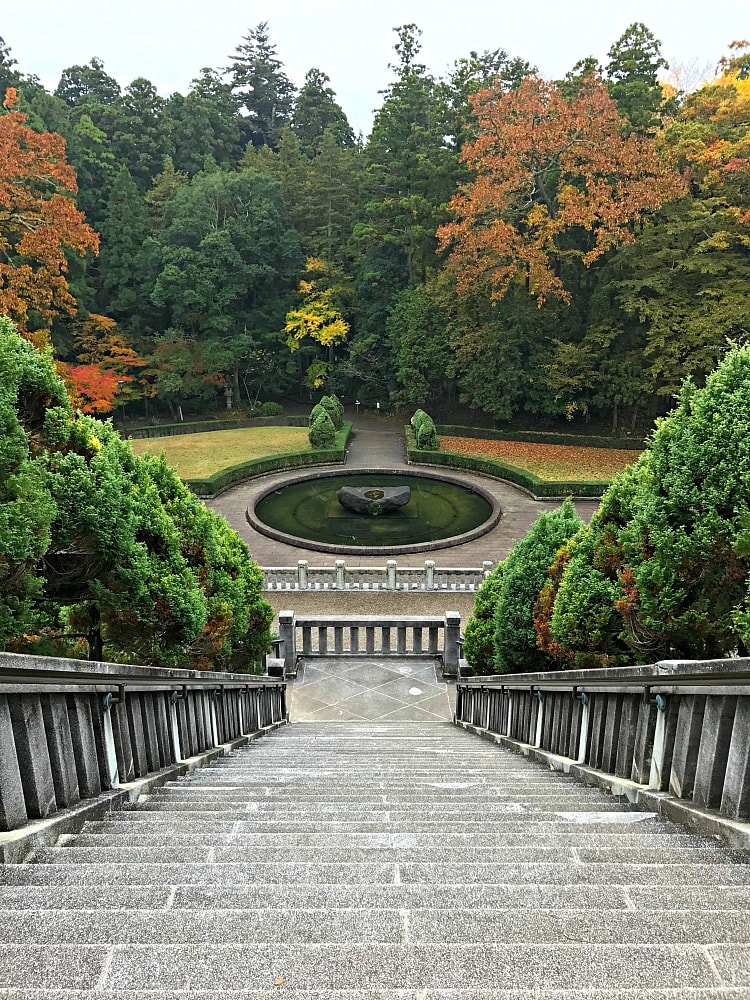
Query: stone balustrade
column 303, row 636
column 71, row 730
column 391, row 576
column 665, row 735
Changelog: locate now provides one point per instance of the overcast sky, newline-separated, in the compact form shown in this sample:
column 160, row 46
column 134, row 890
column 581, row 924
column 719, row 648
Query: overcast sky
column 169, row 41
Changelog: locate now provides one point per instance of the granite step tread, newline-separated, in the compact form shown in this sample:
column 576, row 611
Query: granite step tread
column 497, row 855
column 364, row 993
column 354, row 873
column 342, row 966
column 379, row 925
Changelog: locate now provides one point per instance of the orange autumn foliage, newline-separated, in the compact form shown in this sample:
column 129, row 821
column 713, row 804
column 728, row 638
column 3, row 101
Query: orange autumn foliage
column 91, row 389
column 552, row 462
column 106, row 365
column 545, row 167
column 38, row 222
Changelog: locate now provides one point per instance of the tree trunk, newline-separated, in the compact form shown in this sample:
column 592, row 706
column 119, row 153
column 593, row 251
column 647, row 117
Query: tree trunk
column 96, row 644
column 614, row 418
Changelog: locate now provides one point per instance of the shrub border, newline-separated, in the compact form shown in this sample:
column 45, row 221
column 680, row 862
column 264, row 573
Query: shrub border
column 203, row 426
column 543, row 437
column 539, row 489
column 223, row 480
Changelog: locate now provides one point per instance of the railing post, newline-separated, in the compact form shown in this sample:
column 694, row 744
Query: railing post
column 540, row 698
column 390, row 572
column 12, row 804
column 451, row 649
column 302, row 574
column 509, row 720
column 340, row 569
column 110, row 754
column 174, row 727
column 214, row 722
column 583, row 739
column 286, row 635
column 656, row 777
column 486, row 568
column 429, row 574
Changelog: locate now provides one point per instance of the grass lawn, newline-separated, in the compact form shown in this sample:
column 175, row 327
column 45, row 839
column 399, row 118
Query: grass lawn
column 197, row 456
column 552, row 462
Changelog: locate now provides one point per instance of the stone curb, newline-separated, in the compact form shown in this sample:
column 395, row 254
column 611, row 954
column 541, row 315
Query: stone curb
column 705, row 822
column 16, row 845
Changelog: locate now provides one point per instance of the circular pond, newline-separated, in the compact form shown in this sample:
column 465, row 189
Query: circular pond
column 440, row 512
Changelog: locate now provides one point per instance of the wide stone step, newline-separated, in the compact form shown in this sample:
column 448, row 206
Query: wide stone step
column 610, row 823
column 449, row 841
column 356, row 873
column 519, row 854
column 513, row 896
column 178, row 966
column 282, row 924
column 473, row 993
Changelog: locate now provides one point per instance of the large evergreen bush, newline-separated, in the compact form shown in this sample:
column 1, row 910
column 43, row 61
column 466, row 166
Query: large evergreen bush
column 322, row 433
column 335, row 410
column 580, row 608
column 479, row 634
column 424, row 431
column 525, row 571
column 687, row 592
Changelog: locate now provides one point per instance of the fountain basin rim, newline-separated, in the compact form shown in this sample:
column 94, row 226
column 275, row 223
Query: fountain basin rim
column 374, row 550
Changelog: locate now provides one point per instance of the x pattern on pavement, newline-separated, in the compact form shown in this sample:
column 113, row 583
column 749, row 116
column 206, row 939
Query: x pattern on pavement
column 336, row 689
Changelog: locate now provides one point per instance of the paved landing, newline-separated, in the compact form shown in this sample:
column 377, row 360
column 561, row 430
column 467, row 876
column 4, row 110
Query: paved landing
column 368, row 690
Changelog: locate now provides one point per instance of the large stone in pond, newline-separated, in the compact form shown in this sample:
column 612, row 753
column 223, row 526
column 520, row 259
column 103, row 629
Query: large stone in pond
column 373, row 500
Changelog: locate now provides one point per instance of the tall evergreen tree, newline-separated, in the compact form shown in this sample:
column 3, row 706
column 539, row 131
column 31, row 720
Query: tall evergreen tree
column 264, row 91
column 122, row 293
column 632, row 72
column 316, row 112
column 205, row 122
column 409, row 165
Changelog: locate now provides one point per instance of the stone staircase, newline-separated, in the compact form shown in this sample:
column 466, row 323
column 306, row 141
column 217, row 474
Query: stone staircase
column 373, row 860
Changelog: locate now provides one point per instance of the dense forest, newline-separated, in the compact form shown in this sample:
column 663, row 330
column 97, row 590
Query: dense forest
column 529, row 249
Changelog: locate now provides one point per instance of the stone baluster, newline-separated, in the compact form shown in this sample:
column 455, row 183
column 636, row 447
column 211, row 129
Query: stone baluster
column 451, row 648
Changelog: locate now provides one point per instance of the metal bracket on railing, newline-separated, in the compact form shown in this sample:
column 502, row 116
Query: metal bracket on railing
column 540, row 695
column 108, row 699
column 660, row 700
column 580, row 696
column 176, row 696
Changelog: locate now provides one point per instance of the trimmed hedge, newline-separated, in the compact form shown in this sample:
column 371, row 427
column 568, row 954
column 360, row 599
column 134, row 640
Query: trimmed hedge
column 542, row 437
column 274, row 463
column 540, row 488
column 203, row 426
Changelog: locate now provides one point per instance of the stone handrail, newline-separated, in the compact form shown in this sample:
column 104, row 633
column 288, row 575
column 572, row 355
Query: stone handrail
column 71, row 730
column 303, row 636
column 673, row 736
column 391, row 576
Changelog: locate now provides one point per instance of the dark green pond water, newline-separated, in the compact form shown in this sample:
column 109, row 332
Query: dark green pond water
column 436, row 510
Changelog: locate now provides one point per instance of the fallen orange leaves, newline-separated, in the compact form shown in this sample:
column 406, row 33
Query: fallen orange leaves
column 553, row 462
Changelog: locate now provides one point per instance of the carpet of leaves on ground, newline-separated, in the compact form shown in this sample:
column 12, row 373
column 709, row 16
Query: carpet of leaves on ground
column 195, row 456
column 552, row 462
